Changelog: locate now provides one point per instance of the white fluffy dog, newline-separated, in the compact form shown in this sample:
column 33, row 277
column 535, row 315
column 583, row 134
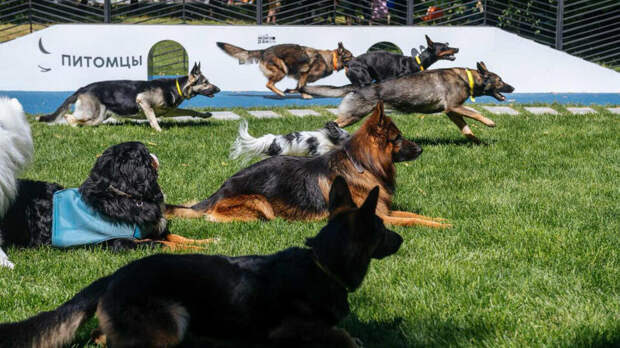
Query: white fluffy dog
column 304, row 143
column 16, row 152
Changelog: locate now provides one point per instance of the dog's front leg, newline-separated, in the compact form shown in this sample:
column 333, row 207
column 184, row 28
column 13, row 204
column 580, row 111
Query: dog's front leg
column 301, row 83
column 396, row 220
column 148, row 112
column 298, row 332
column 473, row 114
column 186, row 112
column 460, row 122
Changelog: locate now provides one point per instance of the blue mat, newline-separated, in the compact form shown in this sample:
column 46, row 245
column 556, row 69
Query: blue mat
column 46, row 102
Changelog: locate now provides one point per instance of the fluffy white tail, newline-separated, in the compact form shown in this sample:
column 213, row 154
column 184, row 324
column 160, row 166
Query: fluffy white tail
column 16, row 149
column 246, row 147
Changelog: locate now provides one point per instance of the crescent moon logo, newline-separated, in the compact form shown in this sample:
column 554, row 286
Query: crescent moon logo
column 44, row 69
column 41, row 47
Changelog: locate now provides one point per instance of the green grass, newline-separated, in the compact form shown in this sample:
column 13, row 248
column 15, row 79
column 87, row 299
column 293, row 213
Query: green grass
column 532, row 260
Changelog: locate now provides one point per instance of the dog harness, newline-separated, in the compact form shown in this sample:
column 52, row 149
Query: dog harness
column 471, row 85
column 417, row 59
column 75, row 223
column 335, row 60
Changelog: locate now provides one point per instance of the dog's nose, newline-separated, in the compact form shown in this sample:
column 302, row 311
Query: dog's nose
column 215, row 89
column 456, row 50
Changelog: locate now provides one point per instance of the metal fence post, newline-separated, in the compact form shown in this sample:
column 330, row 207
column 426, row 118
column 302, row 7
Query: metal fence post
column 30, row 14
column 107, row 8
column 409, row 12
column 484, row 9
column 183, row 12
column 259, row 12
column 559, row 25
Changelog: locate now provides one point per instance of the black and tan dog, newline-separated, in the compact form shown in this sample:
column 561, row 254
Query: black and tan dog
column 120, row 204
column 293, row 298
column 296, row 188
column 305, row 64
column 377, row 66
column 98, row 101
column 441, row 90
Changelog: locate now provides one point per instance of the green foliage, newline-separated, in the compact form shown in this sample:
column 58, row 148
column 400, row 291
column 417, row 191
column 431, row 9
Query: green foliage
column 532, row 260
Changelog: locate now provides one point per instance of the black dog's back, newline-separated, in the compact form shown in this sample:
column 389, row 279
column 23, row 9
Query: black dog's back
column 378, row 66
column 28, row 222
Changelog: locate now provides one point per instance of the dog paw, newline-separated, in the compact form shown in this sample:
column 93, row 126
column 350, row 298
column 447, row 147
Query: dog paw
column 290, row 91
column 306, row 96
column 206, row 115
column 6, row 263
column 359, row 343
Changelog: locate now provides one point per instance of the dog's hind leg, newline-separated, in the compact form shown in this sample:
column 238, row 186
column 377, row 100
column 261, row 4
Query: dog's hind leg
column 352, row 109
column 241, row 208
column 396, row 220
column 148, row 111
column 460, row 122
column 400, row 213
column 274, row 73
column 473, row 114
column 88, row 111
column 175, row 238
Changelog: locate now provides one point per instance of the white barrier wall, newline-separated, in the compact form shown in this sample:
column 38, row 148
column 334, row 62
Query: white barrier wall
column 66, row 57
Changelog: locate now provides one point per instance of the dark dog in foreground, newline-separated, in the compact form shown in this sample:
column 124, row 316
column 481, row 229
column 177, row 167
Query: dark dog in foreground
column 296, row 188
column 441, row 90
column 305, row 64
column 98, row 101
column 119, row 205
column 379, row 66
column 294, row 298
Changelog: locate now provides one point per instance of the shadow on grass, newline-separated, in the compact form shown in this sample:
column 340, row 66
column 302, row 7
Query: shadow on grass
column 423, row 332
column 164, row 124
column 449, row 141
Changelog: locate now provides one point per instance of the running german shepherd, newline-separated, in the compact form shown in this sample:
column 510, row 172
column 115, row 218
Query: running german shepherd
column 441, row 90
column 297, row 188
column 377, row 66
column 294, row 298
column 141, row 98
column 305, row 64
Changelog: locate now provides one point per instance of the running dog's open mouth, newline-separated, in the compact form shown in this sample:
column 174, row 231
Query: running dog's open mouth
column 449, row 55
column 498, row 96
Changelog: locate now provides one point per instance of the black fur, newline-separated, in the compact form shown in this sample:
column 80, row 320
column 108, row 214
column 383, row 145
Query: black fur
column 128, row 167
column 378, row 66
column 279, row 177
column 293, row 298
column 274, row 149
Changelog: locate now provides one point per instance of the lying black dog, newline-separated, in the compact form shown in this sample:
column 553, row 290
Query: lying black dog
column 119, row 205
column 293, row 298
column 378, row 66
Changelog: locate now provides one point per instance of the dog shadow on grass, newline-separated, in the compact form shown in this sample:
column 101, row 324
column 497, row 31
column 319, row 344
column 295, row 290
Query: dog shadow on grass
column 166, row 124
column 450, row 141
column 419, row 332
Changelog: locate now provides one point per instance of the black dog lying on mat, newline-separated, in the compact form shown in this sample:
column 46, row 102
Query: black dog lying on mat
column 293, row 298
column 119, row 205
column 379, row 66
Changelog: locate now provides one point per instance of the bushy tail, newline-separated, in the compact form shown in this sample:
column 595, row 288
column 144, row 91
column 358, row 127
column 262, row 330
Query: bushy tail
column 328, row 91
column 62, row 109
column 58, row 327
column 244, row 56
column 246, row 147
column 16, row 149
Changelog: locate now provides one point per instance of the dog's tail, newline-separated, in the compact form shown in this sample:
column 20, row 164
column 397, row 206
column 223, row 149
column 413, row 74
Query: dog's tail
column 16, row 149
column 246, row 147
column 58, row 327
column 328, row 91
column 62, row 109
column 244, row 56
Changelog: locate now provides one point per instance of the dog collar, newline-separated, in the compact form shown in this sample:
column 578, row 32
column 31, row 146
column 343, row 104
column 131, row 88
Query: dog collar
column 329, row 273
column 417, row 59
column 179, row 89
column 470, row 78
column 335, row 60
column 124, row 194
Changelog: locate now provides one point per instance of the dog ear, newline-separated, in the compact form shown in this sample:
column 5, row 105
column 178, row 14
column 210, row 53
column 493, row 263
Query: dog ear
column 429, row 42
column 482, row 68
column 370, row 204
column 340, row 46
column 339, row 195
column 414, row 52
column 195, row 69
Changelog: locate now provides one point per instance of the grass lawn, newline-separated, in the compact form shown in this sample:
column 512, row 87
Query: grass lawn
column 533, row 258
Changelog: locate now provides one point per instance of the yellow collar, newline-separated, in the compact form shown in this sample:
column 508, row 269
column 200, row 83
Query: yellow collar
column 417, row 59
column 179, row 89
column 471, row 85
